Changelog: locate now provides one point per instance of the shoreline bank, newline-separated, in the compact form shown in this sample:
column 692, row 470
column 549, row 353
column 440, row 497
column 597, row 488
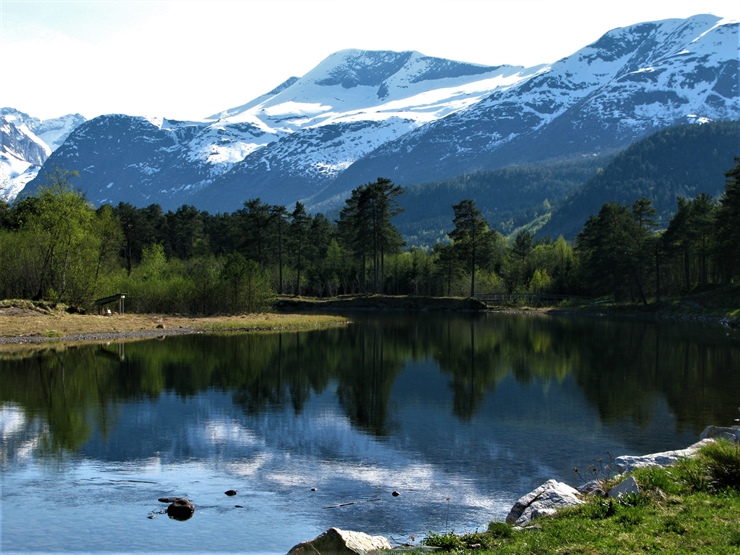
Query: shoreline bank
column 27, row 325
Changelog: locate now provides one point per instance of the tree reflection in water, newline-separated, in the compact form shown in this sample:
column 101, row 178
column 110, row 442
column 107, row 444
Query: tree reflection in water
column 621, row 368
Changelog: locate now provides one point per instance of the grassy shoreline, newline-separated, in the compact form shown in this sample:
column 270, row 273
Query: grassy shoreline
column 716, row 307
column 690, row 507
column 25, row 325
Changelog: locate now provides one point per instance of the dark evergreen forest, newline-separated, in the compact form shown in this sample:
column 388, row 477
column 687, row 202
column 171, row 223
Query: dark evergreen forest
column 653, row 223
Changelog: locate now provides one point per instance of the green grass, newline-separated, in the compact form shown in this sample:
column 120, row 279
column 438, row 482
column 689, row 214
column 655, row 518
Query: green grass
column 267, row 322
column 692, row 507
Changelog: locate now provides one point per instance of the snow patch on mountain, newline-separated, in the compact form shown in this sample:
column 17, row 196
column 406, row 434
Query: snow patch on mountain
column 351, row 85
column 25, row 144
column 315, row 126
column 14, row 176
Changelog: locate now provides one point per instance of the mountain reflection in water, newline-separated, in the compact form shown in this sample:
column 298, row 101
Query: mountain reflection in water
column 461, row 414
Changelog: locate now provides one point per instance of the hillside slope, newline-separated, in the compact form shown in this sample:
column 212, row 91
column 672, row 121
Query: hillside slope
column 679, row 161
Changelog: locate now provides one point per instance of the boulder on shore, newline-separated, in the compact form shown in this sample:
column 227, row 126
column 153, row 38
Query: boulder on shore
column 627, row 463
column 342, row 542
column 552, row 495
column 729, row 433
column 625, row 487
column 544, row 500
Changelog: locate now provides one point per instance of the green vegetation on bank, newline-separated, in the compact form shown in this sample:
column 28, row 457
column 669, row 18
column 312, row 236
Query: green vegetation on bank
column 691, row 507
column 56, row 247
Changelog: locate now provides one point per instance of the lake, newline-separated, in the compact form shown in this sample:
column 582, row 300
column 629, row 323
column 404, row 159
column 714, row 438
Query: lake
column 459, row 414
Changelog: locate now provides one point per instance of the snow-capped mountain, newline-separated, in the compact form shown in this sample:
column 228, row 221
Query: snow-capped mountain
column 348, row 106
column 631, row 82
column 359, row 115
column 287, row 144
column 25, row 144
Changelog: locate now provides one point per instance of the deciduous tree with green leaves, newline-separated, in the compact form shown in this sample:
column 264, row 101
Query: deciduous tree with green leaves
column 65, row 245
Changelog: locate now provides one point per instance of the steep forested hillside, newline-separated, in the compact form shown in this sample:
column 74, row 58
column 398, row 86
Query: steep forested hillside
column 681, row 161
column 508, row 197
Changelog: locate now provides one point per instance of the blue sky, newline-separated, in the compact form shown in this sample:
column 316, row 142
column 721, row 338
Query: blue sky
column 190, row 59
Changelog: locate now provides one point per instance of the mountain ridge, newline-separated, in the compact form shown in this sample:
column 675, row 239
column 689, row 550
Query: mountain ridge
column 412, row 118
column 571, row 103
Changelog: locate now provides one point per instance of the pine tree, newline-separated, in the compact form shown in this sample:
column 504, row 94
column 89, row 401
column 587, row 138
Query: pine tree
column 728, row 225
column 471, row 238
column 366, row 228
column 278, row 224
column 254, row 221
column 300, row 223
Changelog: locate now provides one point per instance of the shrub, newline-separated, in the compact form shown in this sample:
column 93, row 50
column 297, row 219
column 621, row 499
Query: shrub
column 693, row 474
column 673, row 525
column 499, row 530
column 446, row 541
column 722, row 460
column 633, row 499
column 476, row 539
column 601, row 508
column 602, row 471
column 656, row 479
column 449, row 541
column 734, row 539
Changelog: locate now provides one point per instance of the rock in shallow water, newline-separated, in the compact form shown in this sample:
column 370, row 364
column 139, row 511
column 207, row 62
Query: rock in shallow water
column 180, row 509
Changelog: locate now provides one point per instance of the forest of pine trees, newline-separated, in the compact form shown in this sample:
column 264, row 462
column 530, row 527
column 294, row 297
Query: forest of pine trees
column 54, row 246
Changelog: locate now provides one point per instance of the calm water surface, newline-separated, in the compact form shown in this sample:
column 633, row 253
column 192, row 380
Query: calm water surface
column 459, row 414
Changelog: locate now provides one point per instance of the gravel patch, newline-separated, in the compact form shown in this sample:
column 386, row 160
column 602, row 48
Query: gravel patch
column 107, row 336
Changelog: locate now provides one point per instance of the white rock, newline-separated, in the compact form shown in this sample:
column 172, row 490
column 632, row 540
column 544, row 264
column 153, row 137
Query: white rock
column 542, row 501
column 627, row 463
column 342, row 542
column 730, row 433
column 594, row 487
column 624, row 487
